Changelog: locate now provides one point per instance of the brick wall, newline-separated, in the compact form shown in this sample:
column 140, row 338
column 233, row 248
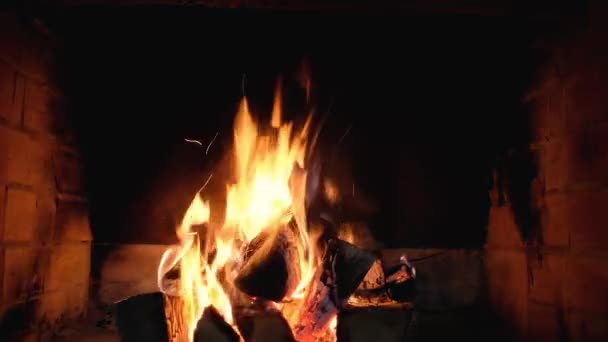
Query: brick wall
column 552, row 283
column 44, row 231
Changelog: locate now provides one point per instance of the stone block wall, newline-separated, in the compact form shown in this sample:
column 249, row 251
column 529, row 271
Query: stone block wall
column 552, row 284
column 115, row 279
column 44, row 228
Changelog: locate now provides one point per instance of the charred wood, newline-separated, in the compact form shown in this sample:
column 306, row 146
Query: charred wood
column 391, row 291
column 401, row 281
column 177, row 330
column 402, row 291
column 318, row 311
column 142, row 318
column 374, row 299
column 350, row 266
column 263, row 325
column 211, row 327
column 374, row 278
column 271, row 269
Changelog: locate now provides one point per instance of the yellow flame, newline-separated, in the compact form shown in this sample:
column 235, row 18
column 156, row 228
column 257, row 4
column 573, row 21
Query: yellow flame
column 276, row 108
column 270, row 189
column 347, row 233
column 331, row 191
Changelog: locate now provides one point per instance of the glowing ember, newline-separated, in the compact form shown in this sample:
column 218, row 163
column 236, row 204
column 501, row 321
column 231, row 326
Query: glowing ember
column 269, row 192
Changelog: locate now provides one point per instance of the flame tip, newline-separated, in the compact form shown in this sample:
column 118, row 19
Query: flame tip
column 270, row 182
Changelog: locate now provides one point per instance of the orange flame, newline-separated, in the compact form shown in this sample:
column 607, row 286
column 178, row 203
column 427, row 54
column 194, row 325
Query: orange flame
column 270, row 190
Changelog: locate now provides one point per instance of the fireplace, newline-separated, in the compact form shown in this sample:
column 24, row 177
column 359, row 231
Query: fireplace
column 431, row 171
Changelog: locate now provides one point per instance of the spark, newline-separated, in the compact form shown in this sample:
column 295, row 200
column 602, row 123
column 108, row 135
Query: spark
column 211, row 143
column 345, row 133
column 193, row 141
column 313, row 141
column 205, row 185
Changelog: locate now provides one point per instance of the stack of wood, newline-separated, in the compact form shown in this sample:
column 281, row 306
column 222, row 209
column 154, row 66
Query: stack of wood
column 349, row 277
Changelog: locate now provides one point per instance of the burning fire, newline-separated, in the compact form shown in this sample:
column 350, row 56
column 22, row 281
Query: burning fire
column 269, row 192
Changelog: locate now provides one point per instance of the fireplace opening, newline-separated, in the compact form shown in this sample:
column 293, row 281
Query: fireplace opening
column 440, row 173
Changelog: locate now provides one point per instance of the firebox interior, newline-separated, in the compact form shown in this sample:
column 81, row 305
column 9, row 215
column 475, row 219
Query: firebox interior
column 415, row 109
column 461, row 147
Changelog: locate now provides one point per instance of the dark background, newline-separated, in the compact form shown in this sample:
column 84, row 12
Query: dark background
column 431, row 102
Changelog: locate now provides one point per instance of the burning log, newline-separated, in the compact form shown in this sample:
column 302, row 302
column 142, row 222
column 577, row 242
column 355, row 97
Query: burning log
column 177, row 329
column 271, row 269
column 319, row 310
column 371, row 293
column 374, row 299
column 157, row 317
column 150, row 317
column 401, row 282
column 263, row 323
column 344, row 268
column 374, row 278
column 212, row 328
column 350, row 265
column 393, row 291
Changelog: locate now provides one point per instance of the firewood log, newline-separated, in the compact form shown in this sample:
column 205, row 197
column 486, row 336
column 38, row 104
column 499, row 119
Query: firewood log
column 401, row 283
column 177, row 330
column 376, row 291
column 271, row 269
column 262, row 326
column 374, row 278
column 211, row 327
column 318, row 311
column 350, row 264
column 150, row 317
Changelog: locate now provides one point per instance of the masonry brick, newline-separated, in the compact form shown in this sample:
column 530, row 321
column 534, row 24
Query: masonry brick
column 23, row 47
column 589, row 219
column 45, row 216
column 508, row 285
column 565, row 104
column 23, row 267
column 37, row 57
column 544, row 322
column 117, row 277
column 72, row 223
column 577, row 158
column 546, row 284
column 19, row 214
column 502, row 229
column 579, row 216
column 36, row 96
column 588, row 87
column 24, row 160
column 549, row 120
column 67, row 168
column 555, row 221
column 69, row 303
column 554, row 163
column 587, row 284
column 68, row 263
column 587, row 327
column 11, row 94
column 11, row 38
column 36, row 121
column 33, row 264
column 36, row 116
